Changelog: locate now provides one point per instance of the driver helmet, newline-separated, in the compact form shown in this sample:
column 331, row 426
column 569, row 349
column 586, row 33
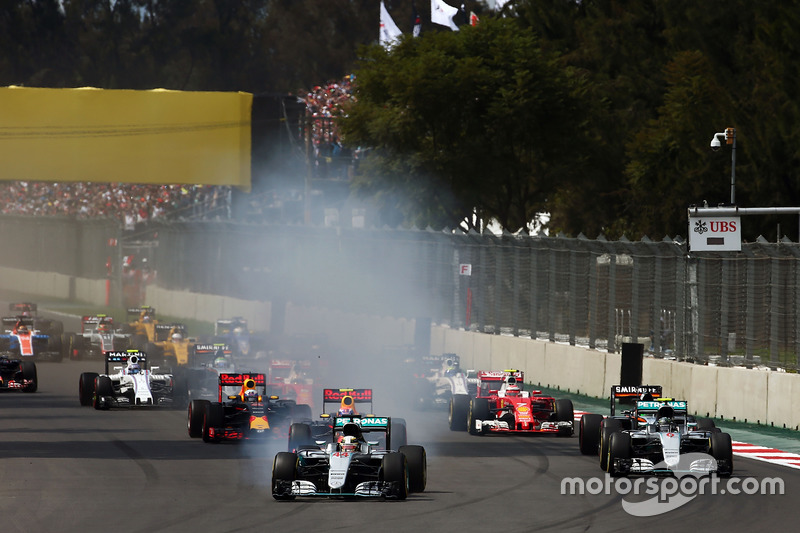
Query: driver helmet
column 220, row 362
column 22, row 329
column 512, row 390
column 103, row 328
column 346, row 411
column 250, row 394
column 146, row 319
column 349, row 444
column 238, row 331
column 177, row 336
column 134, row 368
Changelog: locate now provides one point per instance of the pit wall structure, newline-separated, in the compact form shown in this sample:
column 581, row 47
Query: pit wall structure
column 732, row 393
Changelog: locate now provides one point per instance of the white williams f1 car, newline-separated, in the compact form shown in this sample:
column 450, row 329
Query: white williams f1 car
column 132, row 385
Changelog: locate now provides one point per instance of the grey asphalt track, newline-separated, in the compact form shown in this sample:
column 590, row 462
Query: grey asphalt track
column 67, row 468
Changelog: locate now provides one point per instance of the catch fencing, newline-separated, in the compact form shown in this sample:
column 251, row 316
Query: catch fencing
column 721, row 308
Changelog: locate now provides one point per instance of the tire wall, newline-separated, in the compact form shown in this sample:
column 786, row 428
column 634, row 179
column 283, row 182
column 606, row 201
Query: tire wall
column 747, row 395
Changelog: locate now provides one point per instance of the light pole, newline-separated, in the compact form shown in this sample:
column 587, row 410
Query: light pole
column 730, row 138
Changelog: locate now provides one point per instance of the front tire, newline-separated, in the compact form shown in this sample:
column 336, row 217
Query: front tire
column 722, row 450
column 394, row 468
column 196, row 414
column 284, row 468
column 478, row 410
column 213, row 416
column 29, row 373
column 459, row 412
column 417, row 462
column 102, row 387
column 619, row 448
column 86, row 388
column 607, row 428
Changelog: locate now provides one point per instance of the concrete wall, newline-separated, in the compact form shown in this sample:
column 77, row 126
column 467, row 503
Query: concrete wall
column 751, row 395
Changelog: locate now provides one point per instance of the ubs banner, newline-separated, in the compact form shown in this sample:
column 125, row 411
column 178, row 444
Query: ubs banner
column 715, row 234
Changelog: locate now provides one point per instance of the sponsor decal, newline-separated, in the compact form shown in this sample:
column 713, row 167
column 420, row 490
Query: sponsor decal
column 654, row 406
column 363, row 422
column 336, row 395
column 655, row 390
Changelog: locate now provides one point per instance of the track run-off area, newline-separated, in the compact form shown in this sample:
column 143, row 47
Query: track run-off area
column 67, row 468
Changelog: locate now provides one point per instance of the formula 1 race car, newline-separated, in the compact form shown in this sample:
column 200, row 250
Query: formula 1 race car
column 97, row 336
column 48, row 326
column 202, row 377
column 307, row 432
column 291, row 379
column 243, row 411
column 18, row 375
column 592, row 431
column 21, row 339
column 132, row 385
column 665, row 434
column 437, row 379
column 501, row 406
column 141, row 325
column 349, row 465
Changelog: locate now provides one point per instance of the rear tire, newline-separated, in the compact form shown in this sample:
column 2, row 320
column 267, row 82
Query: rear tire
column 284, row 468
column 589, row 434
column 609, row 426
column 197, row 409
column 459, row 412
column 300, row 436
column 86, row 388
column 394, row 468
column 417, row 462
column 302, row 412
column 399, row 433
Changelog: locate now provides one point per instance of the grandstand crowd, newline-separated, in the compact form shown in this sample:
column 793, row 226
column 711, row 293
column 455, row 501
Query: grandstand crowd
column 136, row 204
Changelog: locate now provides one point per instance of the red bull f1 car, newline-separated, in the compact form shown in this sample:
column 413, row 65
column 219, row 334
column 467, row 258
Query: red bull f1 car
column 243, row 411
column 501, row 406
column 18, row 375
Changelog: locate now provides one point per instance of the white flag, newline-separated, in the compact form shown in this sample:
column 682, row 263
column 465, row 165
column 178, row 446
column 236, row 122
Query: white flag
column 443, row 14
column 389, row 30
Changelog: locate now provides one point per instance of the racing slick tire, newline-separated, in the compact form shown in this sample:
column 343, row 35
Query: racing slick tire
column 394, row 468
column 565, row 412
column 300, row 436
column 619, row 447
column 213, row 416
column 28, row 369
column 589, row 433
column 86, row 388
column 194, row 422
column 459, row 410
column 707, row 424
column 609, row 426
column 66, row 346
column 417, row 461
column 302, row 412
column 722, row 450
column 398, row 433
column 478, row 410
column 102, row 387
column 284, row 468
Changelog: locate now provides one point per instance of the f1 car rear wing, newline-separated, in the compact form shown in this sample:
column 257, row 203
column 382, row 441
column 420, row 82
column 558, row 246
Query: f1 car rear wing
column 355, row 425
column 346, row 397
column 206, row 353
column 10, row 321
column 123, row 358
column 224, row 326
column 22, row 307
column 231, row 384
column 163, row 331
column 631, row 393
column 651, row 407
column 144, row 310
column 90, row 322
